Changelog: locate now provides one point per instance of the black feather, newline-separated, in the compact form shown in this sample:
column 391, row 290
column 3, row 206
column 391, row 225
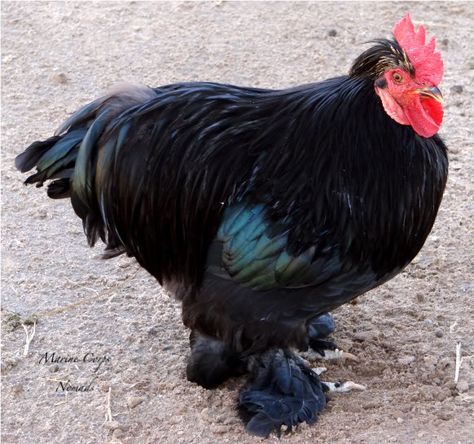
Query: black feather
column 282, row 390
column 156, row 169
column 30, row 157
column 345, row 197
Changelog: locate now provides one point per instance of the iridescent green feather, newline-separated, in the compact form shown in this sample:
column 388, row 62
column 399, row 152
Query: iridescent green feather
column 254, row 258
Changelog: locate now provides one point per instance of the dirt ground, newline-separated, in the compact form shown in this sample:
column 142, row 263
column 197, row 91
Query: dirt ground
column 58, row 56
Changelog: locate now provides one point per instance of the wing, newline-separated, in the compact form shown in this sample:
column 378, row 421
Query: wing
column 166, row 171
column 255, row 252
column 157, row 169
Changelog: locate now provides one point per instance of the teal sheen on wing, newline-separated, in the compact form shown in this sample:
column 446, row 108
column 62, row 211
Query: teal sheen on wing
column 256, row 259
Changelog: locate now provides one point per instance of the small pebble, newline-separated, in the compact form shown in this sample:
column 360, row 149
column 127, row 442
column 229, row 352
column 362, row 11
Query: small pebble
column 8, row 364
column 420, row 298
column 406, row 360
column 117, row 434
column 221, row 417
column 443, row 394
column 218, row 429
column 60, row 78
column 457, row 89
column 17, row 389
column 445, row 416
column 153, row 331
column 332, row 33
column 112, row 425
column 133, row 401
column 399, row 420
column 8, row 59
column 42, row 214
column 450, row 385
column 124, row 264
column 462, row 386
column 54, row 368
column 438, row 333
column 365, row 336
column 230, row 420
column 205, row 414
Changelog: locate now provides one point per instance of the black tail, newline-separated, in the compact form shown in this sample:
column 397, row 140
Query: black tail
column 54, row 159
column 282, row 391
column 68, row 159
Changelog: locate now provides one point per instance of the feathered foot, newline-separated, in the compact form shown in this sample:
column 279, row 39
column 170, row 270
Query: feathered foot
column 319, row 328
column 282, row 391
column 211, row 361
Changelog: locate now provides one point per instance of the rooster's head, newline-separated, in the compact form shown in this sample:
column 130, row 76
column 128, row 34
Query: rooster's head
column 406, row 73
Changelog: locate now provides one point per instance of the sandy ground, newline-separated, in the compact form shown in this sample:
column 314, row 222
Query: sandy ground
column 56, row 57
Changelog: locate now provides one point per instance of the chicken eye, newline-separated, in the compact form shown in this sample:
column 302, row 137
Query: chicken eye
column 397, row 77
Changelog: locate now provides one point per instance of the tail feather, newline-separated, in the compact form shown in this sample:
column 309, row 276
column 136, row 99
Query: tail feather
column 83, row 200
column 30, row 157
column 68, row 159
column 59, row 189
column 82, row 117
column 61, row 149
column 57, row 160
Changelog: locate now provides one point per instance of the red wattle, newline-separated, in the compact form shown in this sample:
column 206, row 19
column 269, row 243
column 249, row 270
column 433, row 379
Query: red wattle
column 433, row 108
column 422, row 113
column 425, row 116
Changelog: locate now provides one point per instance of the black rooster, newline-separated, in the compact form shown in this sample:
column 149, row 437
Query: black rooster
column 262, row 209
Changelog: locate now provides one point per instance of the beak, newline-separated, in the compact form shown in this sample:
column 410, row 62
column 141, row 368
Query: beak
column 433, row 93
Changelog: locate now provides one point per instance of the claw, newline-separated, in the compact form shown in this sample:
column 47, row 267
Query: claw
column 329, row 355
column 342, row 387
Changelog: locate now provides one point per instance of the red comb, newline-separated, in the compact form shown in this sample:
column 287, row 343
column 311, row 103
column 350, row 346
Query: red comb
column 427, row 63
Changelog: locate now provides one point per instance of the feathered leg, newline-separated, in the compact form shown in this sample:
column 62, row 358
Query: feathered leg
column 282, row 391
column 319, row 328
column 211, row 361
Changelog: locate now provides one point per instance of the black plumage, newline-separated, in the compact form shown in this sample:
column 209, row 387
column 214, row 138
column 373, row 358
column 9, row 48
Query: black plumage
column 261, row 209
